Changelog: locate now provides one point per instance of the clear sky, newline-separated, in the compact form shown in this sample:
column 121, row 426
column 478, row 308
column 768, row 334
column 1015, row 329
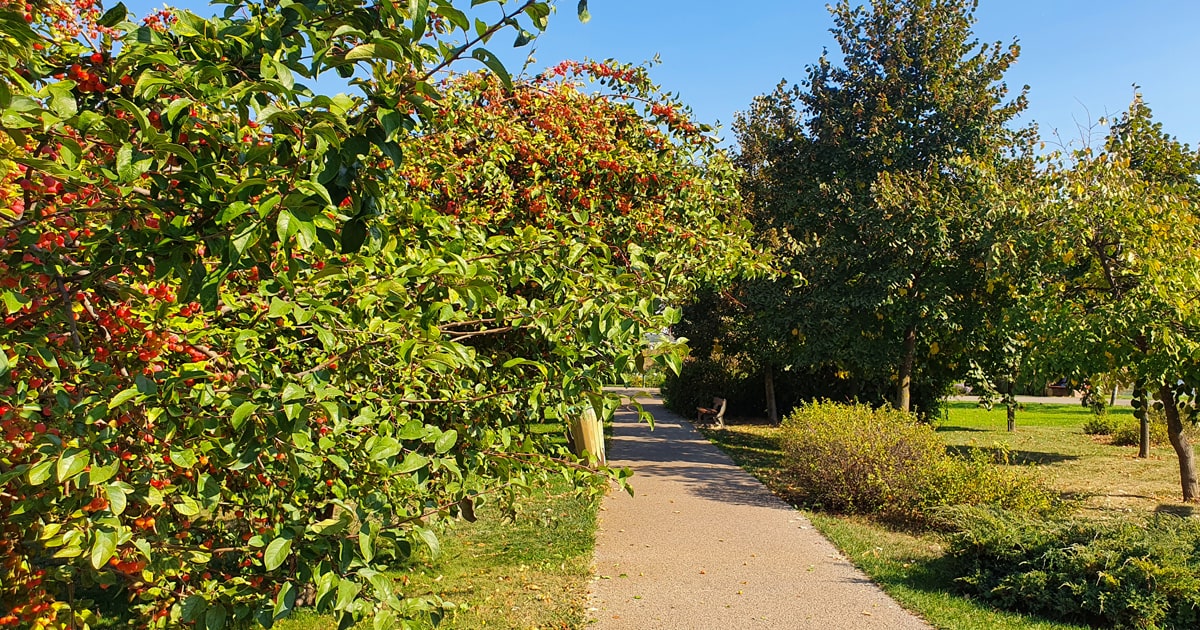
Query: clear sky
column 1079, row 57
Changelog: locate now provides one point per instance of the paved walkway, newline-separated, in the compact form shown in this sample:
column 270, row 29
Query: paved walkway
column 704, row 545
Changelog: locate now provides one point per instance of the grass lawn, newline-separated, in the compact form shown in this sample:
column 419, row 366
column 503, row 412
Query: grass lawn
column 527, row 573
column 1109, row 480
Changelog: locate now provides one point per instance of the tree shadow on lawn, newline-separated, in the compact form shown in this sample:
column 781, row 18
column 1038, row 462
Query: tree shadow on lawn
column 946, row 428
column 1178, row 509
column 1003, row 455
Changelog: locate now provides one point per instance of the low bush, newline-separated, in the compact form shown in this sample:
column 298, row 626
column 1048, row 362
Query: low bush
column 1104, row 424
column 852, row 458
column 1111, row 573
column 1129, row 432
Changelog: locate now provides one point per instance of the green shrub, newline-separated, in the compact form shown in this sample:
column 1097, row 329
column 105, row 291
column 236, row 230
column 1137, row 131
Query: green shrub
column 1105, row 424
column 1114, row 573
column 1129, row 432
column 852, row 458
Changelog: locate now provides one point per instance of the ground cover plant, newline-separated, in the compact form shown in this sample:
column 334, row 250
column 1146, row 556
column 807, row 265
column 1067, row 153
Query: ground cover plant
column 1106, row 482
column 1120, row 573
column 259, row 341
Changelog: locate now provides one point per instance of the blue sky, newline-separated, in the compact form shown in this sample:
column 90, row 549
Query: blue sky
column 1079, row 57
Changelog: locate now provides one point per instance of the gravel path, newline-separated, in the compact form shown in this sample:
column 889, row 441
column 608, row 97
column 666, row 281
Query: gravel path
column 705, row 545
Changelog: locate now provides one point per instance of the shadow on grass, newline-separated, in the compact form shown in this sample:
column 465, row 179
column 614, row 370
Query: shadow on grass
column 1010, row 456
column 941, row 428
column 1177, row 509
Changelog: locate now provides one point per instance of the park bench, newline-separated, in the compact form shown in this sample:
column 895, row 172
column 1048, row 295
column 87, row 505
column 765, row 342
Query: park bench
column 1061, row 388
column 714, row 415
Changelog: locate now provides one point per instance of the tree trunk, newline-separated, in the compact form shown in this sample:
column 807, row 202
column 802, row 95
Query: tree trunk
column 772, row 410
column 1010, row 402
column 1183, row 449
column 1112, row 398
column 1141, row 411
column 904, row 387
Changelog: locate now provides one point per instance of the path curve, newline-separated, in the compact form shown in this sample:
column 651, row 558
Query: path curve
column 703, row 544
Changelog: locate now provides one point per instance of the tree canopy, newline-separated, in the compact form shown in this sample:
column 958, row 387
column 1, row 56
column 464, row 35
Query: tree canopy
column 260, row 340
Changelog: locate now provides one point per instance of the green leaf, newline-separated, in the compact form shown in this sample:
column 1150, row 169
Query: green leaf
column 242, row 412
column 285, row 601
column 104, row 547
column 286, row 225
column 384, row 448
column 431, row 540
column 276, row 553
column 62, row 102
column 293, row 393
column 71, row 463
column 354, row 234
column 113, row 16
column 385, row 619
column 14, row 302
column 187, row 507
column 362, row 51
column 446, row 441
column 214, row 619
column 494, row 64
column 279, row 308
column 331, row 526
column 193, row 607
column 116, row 498
column 122, row 397
column 347, row 592
column 412, row 462
column 582, row 10
column 100, row 474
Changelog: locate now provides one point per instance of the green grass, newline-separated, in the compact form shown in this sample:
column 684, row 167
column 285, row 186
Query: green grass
column 1107, row 479
column 530, row 572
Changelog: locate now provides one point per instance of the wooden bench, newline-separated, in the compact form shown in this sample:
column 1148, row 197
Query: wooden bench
column 715, row 415
column 1058, row 389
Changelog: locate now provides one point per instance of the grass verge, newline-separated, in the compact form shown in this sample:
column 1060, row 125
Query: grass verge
column 530, row 572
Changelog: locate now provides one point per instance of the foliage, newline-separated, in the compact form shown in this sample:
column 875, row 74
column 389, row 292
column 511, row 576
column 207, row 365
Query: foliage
column 519, row 566
column 884, row 183
column 852, row 458
column 259, row 340
column 1115, row 573
column 1102, row 424
column 1121, row 225
column 1128, row 432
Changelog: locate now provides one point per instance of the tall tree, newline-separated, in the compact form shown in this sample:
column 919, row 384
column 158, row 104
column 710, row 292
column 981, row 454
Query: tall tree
column 880, row 182
column 1127, row 221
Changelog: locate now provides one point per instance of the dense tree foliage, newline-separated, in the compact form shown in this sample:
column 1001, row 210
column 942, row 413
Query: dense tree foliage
column 1123, row 227
column 260, row 340
column 882, row 185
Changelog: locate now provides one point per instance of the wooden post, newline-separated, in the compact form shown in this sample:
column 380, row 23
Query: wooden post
column 587, row 435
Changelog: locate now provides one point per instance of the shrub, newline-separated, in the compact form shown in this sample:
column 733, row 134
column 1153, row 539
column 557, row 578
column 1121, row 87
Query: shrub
column 852, row 458
column 1128, row 432
column 1101, row 424
column 1119, row 573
